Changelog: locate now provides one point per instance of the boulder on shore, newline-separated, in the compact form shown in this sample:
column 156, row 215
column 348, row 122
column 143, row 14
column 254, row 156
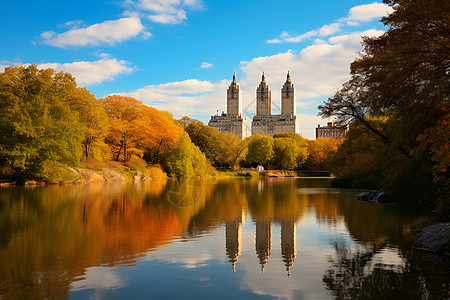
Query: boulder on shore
column 377, row 197
column 111, row 175
column 434, row 238
column 88, row 175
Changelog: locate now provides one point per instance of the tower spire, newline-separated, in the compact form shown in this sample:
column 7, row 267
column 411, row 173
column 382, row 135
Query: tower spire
column 234, row 77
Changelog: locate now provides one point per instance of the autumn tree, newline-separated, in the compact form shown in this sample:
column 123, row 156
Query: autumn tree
column 94, row 119
column 40, row 123
column 321, row 151
column 401, row 76
column 236, row 149
column 160, row 133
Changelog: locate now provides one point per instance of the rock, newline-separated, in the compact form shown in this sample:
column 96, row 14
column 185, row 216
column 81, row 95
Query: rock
column 378, row 197
column 367, row 197
column 138, row 176
column 111, row 175
column 89, row 175
column 435, row 238
column 33, row 182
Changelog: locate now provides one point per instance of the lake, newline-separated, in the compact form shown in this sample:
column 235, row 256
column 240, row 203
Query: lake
column 240, row 238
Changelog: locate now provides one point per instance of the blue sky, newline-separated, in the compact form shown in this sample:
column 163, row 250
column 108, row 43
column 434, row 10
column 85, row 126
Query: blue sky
column 180, row 55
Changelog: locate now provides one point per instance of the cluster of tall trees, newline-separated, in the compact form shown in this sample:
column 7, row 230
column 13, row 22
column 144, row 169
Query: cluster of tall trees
column 397, row 102
column 286, row 151
column 47, row 122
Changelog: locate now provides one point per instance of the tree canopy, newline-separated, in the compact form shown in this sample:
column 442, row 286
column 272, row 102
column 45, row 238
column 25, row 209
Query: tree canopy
column 42, row 118
column 403, row 74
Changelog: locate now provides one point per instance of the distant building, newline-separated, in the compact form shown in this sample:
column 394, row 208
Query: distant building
column 266, row 123
column 232, row 121
column 331, row 131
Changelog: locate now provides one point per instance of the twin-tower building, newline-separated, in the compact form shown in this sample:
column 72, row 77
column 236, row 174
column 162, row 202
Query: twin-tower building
column 264, row 122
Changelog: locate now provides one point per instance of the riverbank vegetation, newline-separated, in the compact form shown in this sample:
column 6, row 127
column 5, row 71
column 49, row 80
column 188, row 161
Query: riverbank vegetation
column 397, row 105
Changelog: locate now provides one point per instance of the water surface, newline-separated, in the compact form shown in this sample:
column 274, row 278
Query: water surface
column 292, row 238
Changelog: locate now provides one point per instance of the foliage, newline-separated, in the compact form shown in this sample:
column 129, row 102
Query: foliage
column 186, row 160
column 208, row 140
column 39, row 119
column 401, row 76
column 137, row 129
column 260, row 149
column 223, row 150
column 290, row 151
column 56, row 172
column 320, row 152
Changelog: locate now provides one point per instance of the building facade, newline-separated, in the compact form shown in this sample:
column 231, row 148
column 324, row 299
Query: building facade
column 264, row 122
column 231, row 121
column 331, row 131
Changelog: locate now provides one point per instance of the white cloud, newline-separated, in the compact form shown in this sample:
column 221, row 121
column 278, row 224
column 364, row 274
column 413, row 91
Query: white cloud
column 92, row 72
column 368, row 12
column 360, row 13
column 189, row 97
column 85, row 72
column 163, row 11
column 285, row 37
column 317, row 72
column 206, row 65
column 108, row 32
column 330, row 29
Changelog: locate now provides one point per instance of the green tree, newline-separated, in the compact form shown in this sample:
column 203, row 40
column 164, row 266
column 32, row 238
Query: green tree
column 186, row 159
column 291, row 151
column 38, row 123
column 260, row 149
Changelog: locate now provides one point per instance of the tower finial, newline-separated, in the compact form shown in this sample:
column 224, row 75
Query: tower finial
column 234, row 77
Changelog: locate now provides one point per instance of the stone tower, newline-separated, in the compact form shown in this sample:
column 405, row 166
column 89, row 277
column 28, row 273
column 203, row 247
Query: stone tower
column 263, row 98
column 233, row 99
column 288, row 98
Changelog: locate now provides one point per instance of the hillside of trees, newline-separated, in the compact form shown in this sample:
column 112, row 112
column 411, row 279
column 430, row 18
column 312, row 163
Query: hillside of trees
column 397, row 105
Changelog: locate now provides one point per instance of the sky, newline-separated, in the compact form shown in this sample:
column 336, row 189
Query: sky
column 180, row 55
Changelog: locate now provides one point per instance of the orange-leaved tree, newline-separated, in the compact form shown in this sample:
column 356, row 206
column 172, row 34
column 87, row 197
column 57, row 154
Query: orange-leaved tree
column 137, row 129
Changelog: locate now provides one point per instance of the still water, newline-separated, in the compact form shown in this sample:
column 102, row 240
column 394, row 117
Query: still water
column 210, row 239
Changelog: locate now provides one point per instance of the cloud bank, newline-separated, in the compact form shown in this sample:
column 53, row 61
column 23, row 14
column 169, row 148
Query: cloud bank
column 108, row 32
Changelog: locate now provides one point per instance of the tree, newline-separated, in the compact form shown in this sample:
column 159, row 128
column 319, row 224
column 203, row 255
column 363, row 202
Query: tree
column 291, row 151
column 210, row 141
column 401, row 78
column 186, row 159
column 402, row 74
column 321, row 151
column 125, row 118
column 260, row 149
column 160, row 134
column 236, row 149
column 93, row 116
column 38, row 122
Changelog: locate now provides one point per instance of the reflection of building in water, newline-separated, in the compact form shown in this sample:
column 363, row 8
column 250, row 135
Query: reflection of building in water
column 288, row 249
column 263, row 236
column 233, row 239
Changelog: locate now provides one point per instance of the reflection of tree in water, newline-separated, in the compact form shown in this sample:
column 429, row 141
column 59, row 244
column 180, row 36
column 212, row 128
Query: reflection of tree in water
column 359, row 275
